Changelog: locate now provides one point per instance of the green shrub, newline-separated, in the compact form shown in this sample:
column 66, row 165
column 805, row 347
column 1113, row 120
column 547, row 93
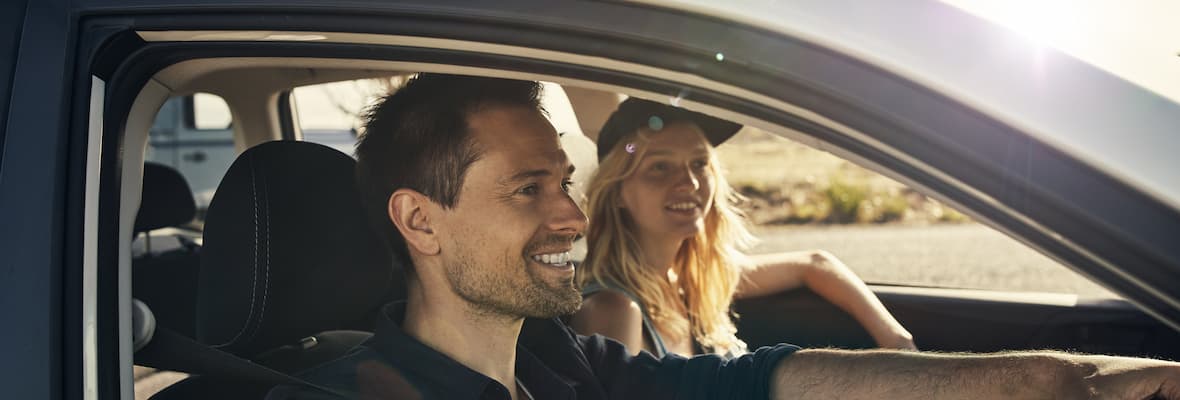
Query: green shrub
column 845, row 200
column 893, row 207
column 952, row 216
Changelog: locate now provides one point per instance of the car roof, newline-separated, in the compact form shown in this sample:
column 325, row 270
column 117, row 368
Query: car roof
column 1115, row 126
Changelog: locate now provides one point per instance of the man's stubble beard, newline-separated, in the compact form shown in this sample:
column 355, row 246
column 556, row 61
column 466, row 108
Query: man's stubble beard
column 510, row 288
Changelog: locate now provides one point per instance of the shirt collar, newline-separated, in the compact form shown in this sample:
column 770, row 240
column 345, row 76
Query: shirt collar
column 448, row 377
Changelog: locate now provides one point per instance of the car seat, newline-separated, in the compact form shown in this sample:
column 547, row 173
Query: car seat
column 291, row 270
column 164, row 275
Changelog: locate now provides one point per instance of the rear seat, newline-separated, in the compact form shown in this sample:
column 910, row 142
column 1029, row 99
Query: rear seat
column 165, row 265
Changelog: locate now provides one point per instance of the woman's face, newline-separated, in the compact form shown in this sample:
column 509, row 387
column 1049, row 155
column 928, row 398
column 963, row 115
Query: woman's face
column 671, row 191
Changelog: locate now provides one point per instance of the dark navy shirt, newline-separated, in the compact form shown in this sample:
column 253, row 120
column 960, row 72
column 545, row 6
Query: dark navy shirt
column 551, row 362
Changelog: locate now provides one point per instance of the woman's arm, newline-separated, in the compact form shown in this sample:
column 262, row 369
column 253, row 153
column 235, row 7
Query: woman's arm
column 825, row 275
column 612, row 314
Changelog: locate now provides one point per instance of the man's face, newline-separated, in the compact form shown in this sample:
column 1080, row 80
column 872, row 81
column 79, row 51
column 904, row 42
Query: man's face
column 506, row 242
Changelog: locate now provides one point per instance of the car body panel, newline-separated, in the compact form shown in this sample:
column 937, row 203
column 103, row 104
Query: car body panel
column 39, row 227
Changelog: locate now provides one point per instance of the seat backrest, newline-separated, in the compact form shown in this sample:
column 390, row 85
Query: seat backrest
column 166, row 200
column 289, row 265
column 166, row 279
column 288, row 252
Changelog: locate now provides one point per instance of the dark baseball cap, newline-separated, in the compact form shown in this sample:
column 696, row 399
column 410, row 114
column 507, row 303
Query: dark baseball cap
column 635, row 113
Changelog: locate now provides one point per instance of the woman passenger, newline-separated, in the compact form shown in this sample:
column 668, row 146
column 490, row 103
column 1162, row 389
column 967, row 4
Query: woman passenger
column 665, row 239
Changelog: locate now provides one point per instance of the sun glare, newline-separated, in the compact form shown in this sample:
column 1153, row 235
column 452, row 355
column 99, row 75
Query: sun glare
column 1135, row 39
column 1046, row 22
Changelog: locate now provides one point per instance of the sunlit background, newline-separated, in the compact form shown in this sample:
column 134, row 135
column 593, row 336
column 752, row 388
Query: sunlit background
column 1138, row 40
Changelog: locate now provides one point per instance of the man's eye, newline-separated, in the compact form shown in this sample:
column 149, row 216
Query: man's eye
column 566, row 184
column 528, row 190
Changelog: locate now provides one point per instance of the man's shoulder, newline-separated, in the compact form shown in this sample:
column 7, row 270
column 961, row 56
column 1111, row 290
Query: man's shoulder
column 360, row 373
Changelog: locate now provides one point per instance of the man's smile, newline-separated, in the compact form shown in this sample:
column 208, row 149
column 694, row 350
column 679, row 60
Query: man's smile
column 557, row 261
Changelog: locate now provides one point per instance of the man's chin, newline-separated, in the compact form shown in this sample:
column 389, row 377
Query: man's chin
column 558, row 301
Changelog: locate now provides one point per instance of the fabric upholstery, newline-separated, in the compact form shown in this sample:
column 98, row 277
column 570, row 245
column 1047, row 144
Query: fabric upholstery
column 287, row 251
column 166, row 200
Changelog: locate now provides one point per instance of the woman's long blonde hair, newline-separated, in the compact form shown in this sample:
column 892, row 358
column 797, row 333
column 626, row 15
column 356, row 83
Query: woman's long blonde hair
column 708, row 265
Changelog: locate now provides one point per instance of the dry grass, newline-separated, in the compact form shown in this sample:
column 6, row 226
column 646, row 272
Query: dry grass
column 790, row 183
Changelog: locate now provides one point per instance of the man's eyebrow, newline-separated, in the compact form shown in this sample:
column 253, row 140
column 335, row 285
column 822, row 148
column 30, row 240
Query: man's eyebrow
column 525, row 175
column 532, row 173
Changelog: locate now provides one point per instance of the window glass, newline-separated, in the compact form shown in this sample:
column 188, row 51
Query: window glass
column 800, row 198
column 210, row 112
column 331, row 114
column 192, row 134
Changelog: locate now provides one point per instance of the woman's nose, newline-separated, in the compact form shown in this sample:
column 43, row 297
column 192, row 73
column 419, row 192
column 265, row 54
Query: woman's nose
column 688, row 180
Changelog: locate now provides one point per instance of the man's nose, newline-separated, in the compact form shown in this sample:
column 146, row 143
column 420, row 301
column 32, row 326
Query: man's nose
column 567, row 217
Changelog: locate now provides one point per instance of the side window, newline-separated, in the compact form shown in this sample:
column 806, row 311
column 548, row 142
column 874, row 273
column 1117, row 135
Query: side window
column 331, row 114
column 800, row 198
column 194, row 135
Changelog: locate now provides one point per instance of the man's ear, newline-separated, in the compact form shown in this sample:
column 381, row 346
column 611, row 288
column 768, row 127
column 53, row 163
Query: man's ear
column 408, row 210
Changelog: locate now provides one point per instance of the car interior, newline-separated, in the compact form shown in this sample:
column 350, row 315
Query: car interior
column 287, row 271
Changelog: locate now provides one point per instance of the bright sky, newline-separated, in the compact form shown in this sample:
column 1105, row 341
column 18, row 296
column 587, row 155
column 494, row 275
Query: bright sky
column 1138, row 40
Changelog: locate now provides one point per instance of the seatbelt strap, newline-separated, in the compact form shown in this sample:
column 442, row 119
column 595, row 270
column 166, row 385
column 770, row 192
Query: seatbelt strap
column 169, row 350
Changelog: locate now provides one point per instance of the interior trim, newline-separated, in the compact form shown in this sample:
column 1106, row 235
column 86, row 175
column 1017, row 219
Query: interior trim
column 90, row 242
column 135, row 137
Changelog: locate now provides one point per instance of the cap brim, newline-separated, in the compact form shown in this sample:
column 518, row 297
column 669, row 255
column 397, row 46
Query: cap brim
column 634, row 113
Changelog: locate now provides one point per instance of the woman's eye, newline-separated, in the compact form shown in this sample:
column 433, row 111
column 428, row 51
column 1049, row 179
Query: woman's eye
column 660, row 167
column 566, row 184
column 699, row 164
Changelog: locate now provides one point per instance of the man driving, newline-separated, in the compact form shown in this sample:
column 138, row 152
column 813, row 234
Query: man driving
column 469, row 182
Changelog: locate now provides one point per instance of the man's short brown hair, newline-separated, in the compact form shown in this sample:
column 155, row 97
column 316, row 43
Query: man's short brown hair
column 418, row 138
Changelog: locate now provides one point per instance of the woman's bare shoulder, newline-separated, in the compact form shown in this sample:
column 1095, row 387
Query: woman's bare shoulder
column 610, row 302
column 610, row 313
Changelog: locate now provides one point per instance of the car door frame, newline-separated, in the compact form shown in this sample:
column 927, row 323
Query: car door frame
column 767, row 64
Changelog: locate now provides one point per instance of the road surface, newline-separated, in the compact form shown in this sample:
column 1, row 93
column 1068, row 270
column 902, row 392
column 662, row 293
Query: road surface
column 953, row 255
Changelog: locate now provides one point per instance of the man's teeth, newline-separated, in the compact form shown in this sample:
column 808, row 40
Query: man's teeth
column 553, row 258
column 683, row 206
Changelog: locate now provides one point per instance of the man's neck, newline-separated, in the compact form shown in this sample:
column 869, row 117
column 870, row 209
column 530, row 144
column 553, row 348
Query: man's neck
column 480, row 341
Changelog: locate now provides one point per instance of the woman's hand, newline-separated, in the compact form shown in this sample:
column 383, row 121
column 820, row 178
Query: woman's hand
column 900, row 339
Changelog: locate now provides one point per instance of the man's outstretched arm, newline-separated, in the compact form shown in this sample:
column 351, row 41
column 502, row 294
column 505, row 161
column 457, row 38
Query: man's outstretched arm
column 884, row 374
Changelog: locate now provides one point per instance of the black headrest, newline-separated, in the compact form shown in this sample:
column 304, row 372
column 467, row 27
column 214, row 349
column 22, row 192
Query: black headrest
column 166, row 200
column 288, row 252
